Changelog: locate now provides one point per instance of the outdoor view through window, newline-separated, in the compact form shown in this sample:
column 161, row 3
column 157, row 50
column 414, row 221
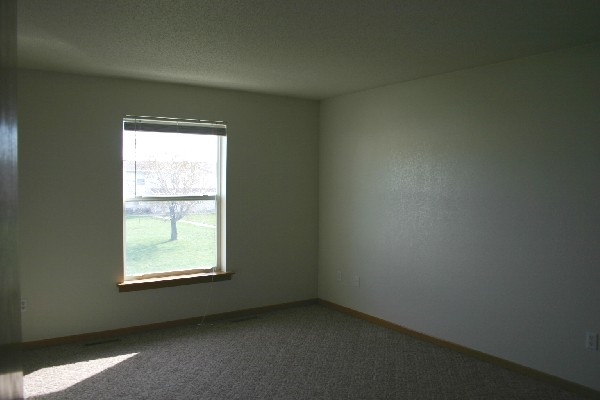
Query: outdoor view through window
column 172, row 194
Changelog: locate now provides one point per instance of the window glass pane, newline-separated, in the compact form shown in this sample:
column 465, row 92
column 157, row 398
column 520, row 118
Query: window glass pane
column 169, row 164
column 166, row 236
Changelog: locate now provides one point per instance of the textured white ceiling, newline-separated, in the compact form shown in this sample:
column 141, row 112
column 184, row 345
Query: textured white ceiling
column 312, row 48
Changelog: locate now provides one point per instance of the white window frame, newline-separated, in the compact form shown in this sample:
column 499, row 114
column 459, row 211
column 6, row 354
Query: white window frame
column 188, row 126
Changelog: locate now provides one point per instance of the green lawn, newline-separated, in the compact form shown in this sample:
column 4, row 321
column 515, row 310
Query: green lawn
column 207, row 219
column 149, row 249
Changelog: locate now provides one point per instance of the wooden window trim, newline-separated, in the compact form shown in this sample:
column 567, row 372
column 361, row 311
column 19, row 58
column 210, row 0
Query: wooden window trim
column 174, row 280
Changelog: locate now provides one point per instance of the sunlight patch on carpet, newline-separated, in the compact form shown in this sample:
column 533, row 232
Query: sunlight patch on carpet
column 61, row 377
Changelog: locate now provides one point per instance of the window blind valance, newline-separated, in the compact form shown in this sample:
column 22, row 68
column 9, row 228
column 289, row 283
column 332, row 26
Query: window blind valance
column 174, row 125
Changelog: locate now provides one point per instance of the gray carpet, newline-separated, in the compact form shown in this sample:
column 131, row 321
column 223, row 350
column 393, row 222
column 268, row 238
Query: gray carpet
column 308, row 352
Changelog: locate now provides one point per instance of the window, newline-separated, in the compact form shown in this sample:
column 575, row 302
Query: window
column 173, row 197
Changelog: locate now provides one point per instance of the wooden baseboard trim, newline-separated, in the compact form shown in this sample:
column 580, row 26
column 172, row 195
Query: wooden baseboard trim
column 109, row 334
column 554, row 380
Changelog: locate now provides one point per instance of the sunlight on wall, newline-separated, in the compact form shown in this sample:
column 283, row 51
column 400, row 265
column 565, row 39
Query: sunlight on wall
column 61, row 377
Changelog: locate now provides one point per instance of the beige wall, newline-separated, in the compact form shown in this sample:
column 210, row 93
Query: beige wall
column 71, row 202
column 468, row 206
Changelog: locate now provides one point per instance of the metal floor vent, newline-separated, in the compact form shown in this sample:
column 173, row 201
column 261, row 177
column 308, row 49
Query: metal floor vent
column 244, row 318
column 101, row 342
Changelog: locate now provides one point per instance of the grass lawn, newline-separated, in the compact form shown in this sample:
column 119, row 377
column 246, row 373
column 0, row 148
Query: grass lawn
column 150, row 250
column 207, row 219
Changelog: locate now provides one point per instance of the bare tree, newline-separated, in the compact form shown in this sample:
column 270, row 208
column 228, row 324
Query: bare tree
column 178, row 178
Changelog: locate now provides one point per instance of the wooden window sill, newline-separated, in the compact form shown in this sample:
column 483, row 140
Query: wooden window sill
column 175, row 280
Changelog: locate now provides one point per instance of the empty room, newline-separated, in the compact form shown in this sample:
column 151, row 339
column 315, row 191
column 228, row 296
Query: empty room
column 307, row 200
